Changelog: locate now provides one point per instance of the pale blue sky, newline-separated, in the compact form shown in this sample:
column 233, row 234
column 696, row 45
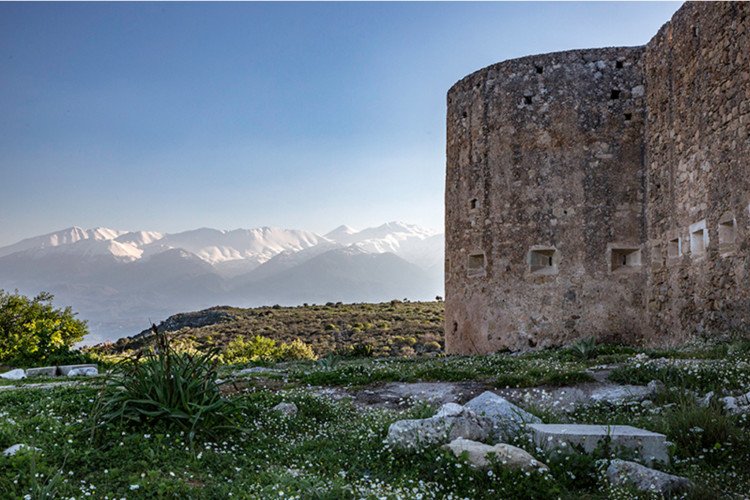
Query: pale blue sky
column 174, row 116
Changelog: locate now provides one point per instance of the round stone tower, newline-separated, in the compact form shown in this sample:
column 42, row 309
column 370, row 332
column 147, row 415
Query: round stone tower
column 544, row 201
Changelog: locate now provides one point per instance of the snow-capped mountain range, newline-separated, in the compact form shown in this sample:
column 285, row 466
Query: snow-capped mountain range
column 119, row 279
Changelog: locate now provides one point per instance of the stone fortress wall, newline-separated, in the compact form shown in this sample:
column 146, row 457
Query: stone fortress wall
column 603, row 192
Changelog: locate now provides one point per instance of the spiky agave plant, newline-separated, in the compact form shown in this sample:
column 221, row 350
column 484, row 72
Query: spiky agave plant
column 161, row 386
column 584, row 348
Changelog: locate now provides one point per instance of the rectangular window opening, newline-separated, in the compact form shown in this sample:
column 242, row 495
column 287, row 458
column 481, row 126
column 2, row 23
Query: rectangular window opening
column 698, row 241
column 615, row 94
column 476, row 263
column 539, row 69
column 628, row 117
column 727, row 232
column 473, row 204
column 543, row 261
column 527, row 99
column 674, row 248
column 619, row 64
column 625, row 258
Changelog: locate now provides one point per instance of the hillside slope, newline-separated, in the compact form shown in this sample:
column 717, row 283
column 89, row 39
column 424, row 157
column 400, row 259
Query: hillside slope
column 389, row 328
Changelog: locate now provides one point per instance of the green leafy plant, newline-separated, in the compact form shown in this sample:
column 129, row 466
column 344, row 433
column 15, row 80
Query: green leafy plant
column 33, row 331
column 163, row 386
column 584, row 348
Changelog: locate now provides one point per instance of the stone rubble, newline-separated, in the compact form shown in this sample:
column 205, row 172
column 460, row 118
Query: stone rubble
column 451, row 422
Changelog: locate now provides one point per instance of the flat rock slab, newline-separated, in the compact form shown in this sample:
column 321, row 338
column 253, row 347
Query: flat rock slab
column 45, row 371
column 569, row 399
column 650, row 446
column 400, row 394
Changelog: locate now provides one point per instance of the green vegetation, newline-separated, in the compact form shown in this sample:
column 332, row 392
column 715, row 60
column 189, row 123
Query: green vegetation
column 500, row 370
column 165, row 389
column 584, row 348
column 34, row 332
column 330, row 449
column 264, row 350
column 396, row 328
column 164, row 425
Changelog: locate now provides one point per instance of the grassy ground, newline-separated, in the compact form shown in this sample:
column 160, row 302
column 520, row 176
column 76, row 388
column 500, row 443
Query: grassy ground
column 335, row 450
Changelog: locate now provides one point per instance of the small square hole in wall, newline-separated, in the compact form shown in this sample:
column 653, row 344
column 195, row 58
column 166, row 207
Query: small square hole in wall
column 527, row 99
column 698, row 238
column 476, row 263
column 674, row 248
column 628, row 117
column 619, row 64
column 543, row 261
column 539, row 70
column 615, row 94
column 727, row 232
column 625, row 259
column 473, row 204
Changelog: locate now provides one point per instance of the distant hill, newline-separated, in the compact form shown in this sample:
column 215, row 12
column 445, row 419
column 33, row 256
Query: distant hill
column 122, row 280
column 390, row 328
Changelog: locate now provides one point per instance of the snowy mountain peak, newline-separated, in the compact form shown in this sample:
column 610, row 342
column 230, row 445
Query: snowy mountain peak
column 340, row 232
column 63, row 237
column 139, row 238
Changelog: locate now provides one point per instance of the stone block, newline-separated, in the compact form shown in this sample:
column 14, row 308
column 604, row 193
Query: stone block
column 649, row 446
column 65, row 369
column 45, row 371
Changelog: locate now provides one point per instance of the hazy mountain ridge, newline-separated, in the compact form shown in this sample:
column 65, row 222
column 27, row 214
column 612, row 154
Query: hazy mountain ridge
column 120, row 280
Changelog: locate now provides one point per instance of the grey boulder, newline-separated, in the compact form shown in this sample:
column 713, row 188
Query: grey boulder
column 286, row 409
column 16, row 374
column 642, row 478
column 480, row 455
column 507, row 419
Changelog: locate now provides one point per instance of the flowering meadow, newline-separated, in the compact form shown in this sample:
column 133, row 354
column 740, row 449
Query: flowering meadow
column 334, row 447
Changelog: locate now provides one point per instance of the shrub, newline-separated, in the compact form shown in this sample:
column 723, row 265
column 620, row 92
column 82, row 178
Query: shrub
column 296, row 350
column 166, row 387
column 258, row 348
column 265, row 350
column 32, row 330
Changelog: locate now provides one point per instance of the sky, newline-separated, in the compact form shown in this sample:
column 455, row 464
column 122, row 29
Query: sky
column 174, row 116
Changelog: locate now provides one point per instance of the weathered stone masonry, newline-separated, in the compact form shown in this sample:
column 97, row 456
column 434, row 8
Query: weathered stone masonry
column 603, row 192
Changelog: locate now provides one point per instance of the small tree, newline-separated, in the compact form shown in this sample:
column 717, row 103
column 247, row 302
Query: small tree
column 32, row 330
